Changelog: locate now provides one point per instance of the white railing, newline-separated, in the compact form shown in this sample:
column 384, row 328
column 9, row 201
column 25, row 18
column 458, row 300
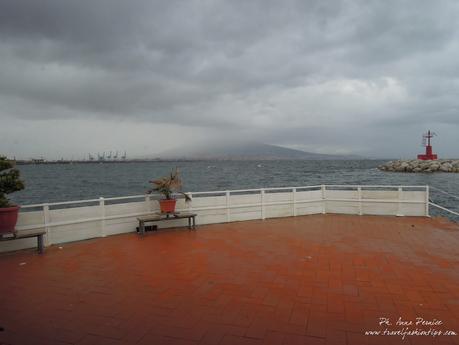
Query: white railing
column 444, row 209
column 101, row 217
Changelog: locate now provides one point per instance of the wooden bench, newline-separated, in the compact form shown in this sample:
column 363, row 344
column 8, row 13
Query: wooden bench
column 18, row 235
column 158, row 217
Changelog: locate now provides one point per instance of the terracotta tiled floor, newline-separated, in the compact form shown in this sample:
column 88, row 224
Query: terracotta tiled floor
column 322, row 279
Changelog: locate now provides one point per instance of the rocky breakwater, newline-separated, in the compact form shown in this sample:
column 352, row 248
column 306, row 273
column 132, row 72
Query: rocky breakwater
column 419, row 166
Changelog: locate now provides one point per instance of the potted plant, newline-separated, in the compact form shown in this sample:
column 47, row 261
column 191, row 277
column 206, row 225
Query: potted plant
column 9, row 183
column 168, row 186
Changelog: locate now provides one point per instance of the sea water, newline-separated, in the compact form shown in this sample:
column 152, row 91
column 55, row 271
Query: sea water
column 66, row 182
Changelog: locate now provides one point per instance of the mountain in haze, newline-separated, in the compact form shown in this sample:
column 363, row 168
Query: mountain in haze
column 246, row 151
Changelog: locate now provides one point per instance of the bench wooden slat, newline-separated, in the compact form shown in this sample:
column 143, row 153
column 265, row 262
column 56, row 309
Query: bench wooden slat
column 148, row 219
column 156, row 217
column 165, row 216
column 27, row 234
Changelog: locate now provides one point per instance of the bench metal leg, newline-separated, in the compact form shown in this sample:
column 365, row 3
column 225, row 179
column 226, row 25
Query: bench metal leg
column 194, row 222
column 142, row 228
column 189, row 223
column 40, row 243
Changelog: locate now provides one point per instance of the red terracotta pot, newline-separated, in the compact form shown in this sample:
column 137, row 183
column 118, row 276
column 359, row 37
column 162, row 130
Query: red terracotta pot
column 8, row 219
column 167, row 205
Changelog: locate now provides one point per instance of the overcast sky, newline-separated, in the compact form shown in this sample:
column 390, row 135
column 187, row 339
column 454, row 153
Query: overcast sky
column 362, row 77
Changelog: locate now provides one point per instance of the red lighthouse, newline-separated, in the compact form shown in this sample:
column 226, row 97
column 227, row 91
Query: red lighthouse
column 426, row 142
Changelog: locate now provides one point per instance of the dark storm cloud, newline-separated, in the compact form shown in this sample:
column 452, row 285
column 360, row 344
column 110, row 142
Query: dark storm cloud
column 268, row 69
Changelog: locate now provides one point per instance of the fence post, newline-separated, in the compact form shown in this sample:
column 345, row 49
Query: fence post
column 322, row 188
column 359, row 192
column 189, row 204
column 262, row 196
column 102, row 215
column 228, row 205
column 427, row 201
column 147, row 203
column 46, row 221
column 399, row 206
column 294, row 201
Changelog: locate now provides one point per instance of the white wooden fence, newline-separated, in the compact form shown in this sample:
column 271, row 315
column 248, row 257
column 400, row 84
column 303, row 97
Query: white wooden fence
column 84, row 219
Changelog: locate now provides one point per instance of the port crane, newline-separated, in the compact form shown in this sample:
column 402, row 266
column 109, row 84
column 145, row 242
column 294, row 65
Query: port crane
column 106, row 156
column 101, row 157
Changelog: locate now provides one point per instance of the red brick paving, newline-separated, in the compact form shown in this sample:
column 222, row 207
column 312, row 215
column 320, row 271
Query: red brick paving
column 321, row 279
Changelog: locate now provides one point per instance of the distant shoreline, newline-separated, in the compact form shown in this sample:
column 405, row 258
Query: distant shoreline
column 24, row 162
column 27, row 162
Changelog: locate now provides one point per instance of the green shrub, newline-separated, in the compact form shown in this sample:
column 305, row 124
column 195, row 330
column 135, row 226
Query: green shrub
column 9, row 181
